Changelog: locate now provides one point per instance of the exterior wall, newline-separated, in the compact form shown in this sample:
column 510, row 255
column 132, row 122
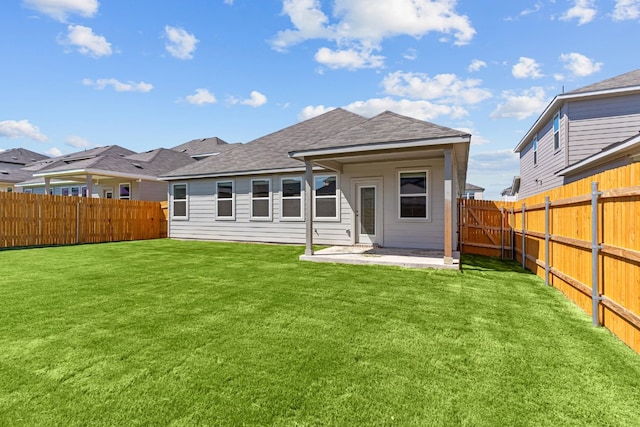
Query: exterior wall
column 586, row 127
column 549, row 161
column 8, row 187
column 201, row 222
column 594, row 124
column 145, row 190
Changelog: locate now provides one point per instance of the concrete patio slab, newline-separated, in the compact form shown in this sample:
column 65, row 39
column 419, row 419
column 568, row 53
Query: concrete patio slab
column 399, row 257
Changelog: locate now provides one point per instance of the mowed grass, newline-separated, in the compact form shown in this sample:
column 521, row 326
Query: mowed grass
column 198, row 333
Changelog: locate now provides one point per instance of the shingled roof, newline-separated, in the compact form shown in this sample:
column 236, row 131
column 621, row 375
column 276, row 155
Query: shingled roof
column 20, row 156
column 626, row 80
column 270, row 152
column 386, row 127
column 203, row 147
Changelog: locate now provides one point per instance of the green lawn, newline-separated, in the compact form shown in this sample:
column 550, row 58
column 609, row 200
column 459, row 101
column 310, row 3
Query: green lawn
column 194, row 333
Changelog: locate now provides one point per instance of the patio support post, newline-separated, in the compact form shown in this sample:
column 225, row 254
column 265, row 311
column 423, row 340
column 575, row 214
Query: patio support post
column 89, row 185
column 308, row 202
column 47, row 184
column 448, row 206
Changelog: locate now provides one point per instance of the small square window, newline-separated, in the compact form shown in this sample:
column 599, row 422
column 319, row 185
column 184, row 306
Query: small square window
column 413, row 195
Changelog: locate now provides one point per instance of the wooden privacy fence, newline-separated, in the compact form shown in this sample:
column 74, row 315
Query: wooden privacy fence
column 41, row 220
column 582, row 238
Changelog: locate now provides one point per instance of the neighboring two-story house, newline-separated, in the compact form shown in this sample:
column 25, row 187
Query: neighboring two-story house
column 581, row 133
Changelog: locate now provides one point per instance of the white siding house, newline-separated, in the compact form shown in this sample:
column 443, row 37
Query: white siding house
column 336, row 179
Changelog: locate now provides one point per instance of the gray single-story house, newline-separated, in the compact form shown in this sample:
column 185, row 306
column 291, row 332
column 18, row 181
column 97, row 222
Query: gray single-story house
column 336, row 179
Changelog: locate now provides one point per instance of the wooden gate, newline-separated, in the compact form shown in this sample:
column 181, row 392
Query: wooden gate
column 484, row 228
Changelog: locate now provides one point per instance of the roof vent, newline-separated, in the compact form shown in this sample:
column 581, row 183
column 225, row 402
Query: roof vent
column 14, row 157
column 4, row 172
column 138, row 165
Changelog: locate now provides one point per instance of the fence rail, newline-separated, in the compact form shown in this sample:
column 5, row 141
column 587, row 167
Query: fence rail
column 583, row 239
column 41, row 220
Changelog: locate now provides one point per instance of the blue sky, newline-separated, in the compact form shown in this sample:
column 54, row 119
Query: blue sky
column 146, row 74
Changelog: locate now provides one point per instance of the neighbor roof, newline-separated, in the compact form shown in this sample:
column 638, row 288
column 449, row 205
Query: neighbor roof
column 20, row 156
column 471, row 187
column 203, row 146
column 148, row 164
column 620, row 85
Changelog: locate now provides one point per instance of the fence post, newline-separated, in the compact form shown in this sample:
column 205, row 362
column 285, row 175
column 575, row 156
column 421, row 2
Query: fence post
column 77, row 222
column 524, row 242
column 547, row 236
column 502, row 232
column 513, row 234
column 595, row 249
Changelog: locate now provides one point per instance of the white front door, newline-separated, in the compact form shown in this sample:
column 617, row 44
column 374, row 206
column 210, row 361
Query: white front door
column 368, row 212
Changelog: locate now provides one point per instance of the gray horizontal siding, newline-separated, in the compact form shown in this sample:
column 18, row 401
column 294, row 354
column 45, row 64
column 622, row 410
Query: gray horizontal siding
column 549, row 162
column 202, row 223
column 594, row 124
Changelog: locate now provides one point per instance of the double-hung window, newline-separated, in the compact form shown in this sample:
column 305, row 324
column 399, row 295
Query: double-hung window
column 64, row 191
column 291, row 199
column 261, row 199
column 180, row 203
column 556, row 132
column 326, row 196
column 225, row 200
column 413, row 194
column 75, row 191
column 535, row 150
column 125, row 191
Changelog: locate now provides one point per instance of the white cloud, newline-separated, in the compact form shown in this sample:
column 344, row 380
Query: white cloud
column 310, row 111
column 181, row 44
column 118, row 86
column 520, row 106
column 580, row 65
column 229, row 2
column 496, row 160
column 536, row 8
column 420, row 109
column 201, row 97
column 476, row 65
column 78, row 142
column 446, row 88
column 86, row 41
column 257, row 99
column 526, row 68
column 53, row 152
column 21, row 129
column 583, row 10
column 61, row 9
column 410, row 54
column 349, row 58
column 626, row 9
column 361, row 25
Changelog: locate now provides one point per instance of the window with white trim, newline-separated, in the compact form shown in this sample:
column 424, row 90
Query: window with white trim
column 535, row 150
column 556, row 132
column 125, row 191
column 64, row 191
column 291, row 198
column 261, row 199
column 325, row 192
column 413, row 194
column 180, row 202
column 225, row 200
column 75, row 191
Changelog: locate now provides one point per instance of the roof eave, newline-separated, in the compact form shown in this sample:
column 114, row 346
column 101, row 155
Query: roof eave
column 301, row 154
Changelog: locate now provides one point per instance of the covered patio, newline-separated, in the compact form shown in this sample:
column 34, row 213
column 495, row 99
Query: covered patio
column 373, row 255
